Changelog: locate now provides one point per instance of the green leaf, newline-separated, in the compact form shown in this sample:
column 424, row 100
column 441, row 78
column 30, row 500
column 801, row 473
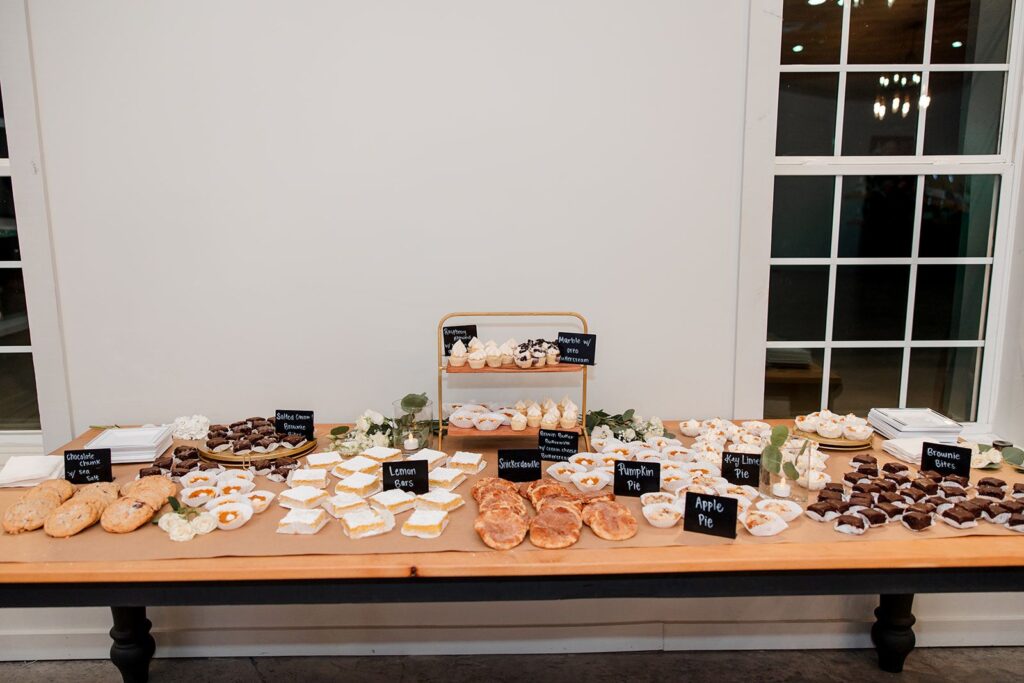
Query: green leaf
column 175, row 505
column 1014, row 456
column 771, row 459
column 984, row 447
column 669, row 435
column 338, row 431
column 789, row 469
column 628, row 415
column 779, row 435
column 413, row 403
column 990, row 466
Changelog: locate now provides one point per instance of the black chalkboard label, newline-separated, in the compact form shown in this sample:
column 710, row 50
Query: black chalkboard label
column 557, row 445
column 713, row 515
column 87, row 466
column 294, row 422
column 742, row 469
column 577, row 348
column 408, row 475
column 946, row 459
column 519, row 464
column 634, row 478
column 450, row 335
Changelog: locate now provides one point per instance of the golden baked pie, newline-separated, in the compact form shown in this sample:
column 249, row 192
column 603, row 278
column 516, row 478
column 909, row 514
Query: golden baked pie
column 610, row 520
column 501, row 528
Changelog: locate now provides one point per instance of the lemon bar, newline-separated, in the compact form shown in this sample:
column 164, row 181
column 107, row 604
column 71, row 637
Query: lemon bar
column 302, row 497
column 307, row 477
column 368, row 522
column 439, row 499
column 360, row 463
column 343, row 503
column 302, row 522
column 425, row 523
column 470, row 463
column 446, row 478
column 433, row 458
column 383, row 453
column 323, row 461
column 394, row 501
column 360, row 484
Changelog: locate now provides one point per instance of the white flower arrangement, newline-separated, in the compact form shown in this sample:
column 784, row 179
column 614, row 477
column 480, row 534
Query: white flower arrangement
column 627, row 426
column 371, row 429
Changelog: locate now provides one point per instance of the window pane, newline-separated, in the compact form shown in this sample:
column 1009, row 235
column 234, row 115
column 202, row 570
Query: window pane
column 9, row 250
column 971, row 31
column 19, row 408
column 797, row 298
column 949, row 301
column 792, row 381
column 811, row 33
column 871, row 303
column 958, row 217
column 964, row 113
column 944, row 380
column 883, row 32
column 862, row 379
column 877, row 216
column 807, row 114
column 13, row 315
column 881, row 111
column 3, row 130
column 802, row 216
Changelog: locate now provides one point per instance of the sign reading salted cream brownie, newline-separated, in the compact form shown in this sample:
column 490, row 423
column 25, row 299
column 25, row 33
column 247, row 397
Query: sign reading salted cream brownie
column 87, row 466
column 519, row 464
column 946, row 459
column 713, row 515
column 294, row 422
column 577, row 348
column 557, row 445
column 636, row 478
column 450, row 335
column 408, row 475
column 742, row 469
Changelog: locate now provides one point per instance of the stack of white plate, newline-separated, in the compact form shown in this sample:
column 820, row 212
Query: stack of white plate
column 134, row 444
column 914, row 423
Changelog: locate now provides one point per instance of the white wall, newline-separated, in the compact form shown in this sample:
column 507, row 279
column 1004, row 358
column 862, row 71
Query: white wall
column 343, row 173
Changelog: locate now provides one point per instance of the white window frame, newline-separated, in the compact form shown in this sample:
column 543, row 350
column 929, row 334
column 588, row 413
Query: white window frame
column 761, row 166
column 33, row 224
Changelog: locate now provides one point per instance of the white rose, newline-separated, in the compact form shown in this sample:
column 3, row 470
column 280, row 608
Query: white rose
column 171, row 520
column 656, row 423
column 379, row 439
column 182, row 532
column 375, row 417
column 601, row 432
column 362, row 424
column 628, row 435
column 638, row 420
column 203, row 524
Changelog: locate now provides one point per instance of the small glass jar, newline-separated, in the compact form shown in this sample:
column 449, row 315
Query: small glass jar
column 413, row 430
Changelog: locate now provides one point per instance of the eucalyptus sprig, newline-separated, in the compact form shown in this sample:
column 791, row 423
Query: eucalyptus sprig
column 1014, row 456
column 771, row 456
column 184, row 511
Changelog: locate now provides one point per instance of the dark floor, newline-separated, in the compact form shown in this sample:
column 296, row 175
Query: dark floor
column 928, row 664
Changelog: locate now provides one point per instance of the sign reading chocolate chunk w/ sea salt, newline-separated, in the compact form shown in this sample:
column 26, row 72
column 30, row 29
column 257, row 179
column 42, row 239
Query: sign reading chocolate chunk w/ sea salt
column 946, row 459
column 450, row 335
column 519, row 464
column 636, row 478
column 408, row 475
column 294, row 422
column 742, row 469
column 577, row 348
column 87, row 466
column 557, row 445
column 713, row 515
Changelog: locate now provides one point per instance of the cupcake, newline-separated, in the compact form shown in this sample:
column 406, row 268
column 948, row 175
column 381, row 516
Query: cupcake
column 507, row 354
column 533, row 416
column 517, row 422
column 457, row 356
column 568, row 419
column 550, row 420
column 554, row 355
column 523, row 359
column 493, row 357
column 477, row 359
column 475, row 345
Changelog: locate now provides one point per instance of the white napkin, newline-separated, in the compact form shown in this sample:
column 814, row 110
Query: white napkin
column 29, row 470
column 906, row 449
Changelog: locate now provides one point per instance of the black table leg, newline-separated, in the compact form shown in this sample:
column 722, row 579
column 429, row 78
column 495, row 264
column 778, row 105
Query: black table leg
column 893, row 632
column 133, row 645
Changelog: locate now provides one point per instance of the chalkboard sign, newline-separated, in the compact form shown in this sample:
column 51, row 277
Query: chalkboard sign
column 743, row 469
column 713, row 515
column 577, row 348
column 408, row 475
column 636, row 478
column 557, row 445
column 450, row 335
column 87, row 466
column 295, row 422
column 946, row 459
column 519, row 464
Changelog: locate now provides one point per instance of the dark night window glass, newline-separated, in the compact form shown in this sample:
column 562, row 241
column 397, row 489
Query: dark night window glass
column 877, row 216
column 19, row 408
column 811, row 34
column 880, row 115
column 3, row 130
column 792, row 381
column 964, row 113
column 884, row 32
column 9, row 250
column 13, row 313
column 797, row 302
column 949, row 301
column 945, row 380
column 862, row 379
column 971, row 31
column 807, row 114
column 871, row 303
column 958, row 215
column 802, row 216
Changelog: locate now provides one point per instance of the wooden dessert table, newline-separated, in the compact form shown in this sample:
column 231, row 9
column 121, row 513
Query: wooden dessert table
column 894, row 570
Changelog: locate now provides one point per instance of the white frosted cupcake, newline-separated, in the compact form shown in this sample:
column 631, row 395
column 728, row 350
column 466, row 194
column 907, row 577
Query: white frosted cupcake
column 477, row 359
column 534, row 416
column 457, row 356
column 550, row 420
column 568, row 419
column 507, row 354
column 493, row 358
column 517, row 422
column 554, row 355
column 475, row 345
column 523, row 359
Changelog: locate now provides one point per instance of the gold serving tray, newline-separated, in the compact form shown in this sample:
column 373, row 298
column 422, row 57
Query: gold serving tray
column 229, row 459
column 833, row 444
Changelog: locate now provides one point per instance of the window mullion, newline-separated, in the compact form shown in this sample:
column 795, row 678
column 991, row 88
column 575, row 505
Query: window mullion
column 908, row 332
column 826, row 366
